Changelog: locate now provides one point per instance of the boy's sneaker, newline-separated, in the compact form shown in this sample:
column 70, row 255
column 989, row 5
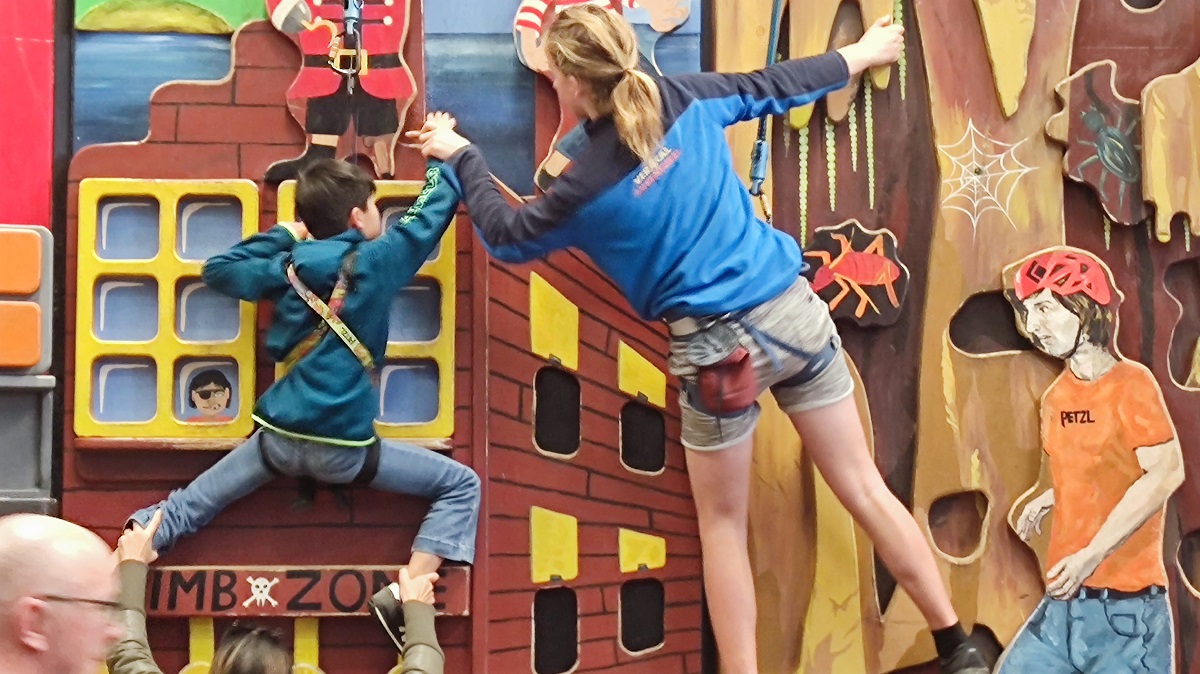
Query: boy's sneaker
column 965, row 659
column 385, row 606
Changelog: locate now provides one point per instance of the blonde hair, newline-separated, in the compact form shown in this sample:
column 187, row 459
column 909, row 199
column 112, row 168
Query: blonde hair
column 599, row 47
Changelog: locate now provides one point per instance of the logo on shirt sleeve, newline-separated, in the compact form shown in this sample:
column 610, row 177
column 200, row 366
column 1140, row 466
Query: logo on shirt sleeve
column 663, row 160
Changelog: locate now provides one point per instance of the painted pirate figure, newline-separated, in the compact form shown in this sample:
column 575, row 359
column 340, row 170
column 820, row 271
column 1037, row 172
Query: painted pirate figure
column 353, row 72
column 1114, row 459
column 531, row 22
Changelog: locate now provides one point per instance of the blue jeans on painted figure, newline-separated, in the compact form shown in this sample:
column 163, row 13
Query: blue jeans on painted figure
column 1095, row 635
column 447, row 531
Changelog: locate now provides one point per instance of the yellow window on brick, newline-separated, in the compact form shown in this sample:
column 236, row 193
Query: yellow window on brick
column 637, row 375
column 553, row 546
column 553, row 324
column 638, row 550
column 150, row 336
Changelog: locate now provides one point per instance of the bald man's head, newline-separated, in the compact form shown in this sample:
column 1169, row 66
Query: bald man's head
column 40, row 554
column 55, row 578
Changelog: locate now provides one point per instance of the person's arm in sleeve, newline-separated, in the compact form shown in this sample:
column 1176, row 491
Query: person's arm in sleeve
column 737, row 97
column 131, row 655
column 404, row 246
column 421, row 654
column 511, row 233
column 254, row 268
column 514, row 233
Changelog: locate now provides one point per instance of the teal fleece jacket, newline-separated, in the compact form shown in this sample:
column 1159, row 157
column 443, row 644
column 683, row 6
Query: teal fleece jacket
column 329, row 397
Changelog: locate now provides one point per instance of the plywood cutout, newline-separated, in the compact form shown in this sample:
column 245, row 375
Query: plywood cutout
column 1008, row 32
column 811, row 32
column 1170, row 147
column 858, row 272
column 1001, row 196
column 1101, row 130
column 1113, row 459
column 353, row 80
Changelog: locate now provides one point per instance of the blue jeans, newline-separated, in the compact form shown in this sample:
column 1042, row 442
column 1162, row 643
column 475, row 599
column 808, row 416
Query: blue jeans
column 1095, row 636
column 447, row 531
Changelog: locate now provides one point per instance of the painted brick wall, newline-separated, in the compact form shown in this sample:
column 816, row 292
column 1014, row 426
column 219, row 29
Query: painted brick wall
column 593, row 486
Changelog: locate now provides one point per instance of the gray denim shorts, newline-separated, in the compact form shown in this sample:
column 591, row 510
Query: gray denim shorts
column 796, row 318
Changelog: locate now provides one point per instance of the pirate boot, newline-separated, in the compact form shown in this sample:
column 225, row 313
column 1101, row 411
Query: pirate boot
column 318, row 149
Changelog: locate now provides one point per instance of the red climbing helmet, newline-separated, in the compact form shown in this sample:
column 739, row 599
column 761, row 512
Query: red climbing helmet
column 1064, row 272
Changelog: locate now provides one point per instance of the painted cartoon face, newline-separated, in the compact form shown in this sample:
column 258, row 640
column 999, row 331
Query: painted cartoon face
column 211, row 399
column 1053, row 328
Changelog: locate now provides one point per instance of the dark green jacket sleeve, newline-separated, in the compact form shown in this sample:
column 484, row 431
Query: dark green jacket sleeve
column 132, row 655
column 252, row 269
column 399, row 252
column 422, row 654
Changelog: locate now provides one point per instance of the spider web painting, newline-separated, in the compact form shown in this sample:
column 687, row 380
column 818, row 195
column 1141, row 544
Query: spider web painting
column 983, row 175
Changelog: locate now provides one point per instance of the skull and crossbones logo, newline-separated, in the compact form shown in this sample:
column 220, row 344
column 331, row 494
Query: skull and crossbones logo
column 260, row 591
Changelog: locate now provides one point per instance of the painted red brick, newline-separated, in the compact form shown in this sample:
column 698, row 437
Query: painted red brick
column 193, row 93
column 526, row 467
column 262, row 86
column 163, row 119
column 237, row 124
column 515, row 500
column 606, row 488
column 600, row 654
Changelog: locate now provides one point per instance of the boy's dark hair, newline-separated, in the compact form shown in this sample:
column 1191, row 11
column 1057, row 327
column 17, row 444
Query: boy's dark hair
column 327, row 191
column 206, row 378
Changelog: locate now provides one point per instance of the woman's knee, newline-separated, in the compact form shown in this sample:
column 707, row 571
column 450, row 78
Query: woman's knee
column 721, row 507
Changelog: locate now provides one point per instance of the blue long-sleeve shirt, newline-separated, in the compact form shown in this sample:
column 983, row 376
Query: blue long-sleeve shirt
column 679, row 236
column 328, row 395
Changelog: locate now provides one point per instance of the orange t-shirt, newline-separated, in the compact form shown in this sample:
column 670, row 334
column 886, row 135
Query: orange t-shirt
column 1090, row 430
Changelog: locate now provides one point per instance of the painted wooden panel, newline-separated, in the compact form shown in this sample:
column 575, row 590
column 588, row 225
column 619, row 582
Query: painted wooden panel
column 1102, row 132
column 1171, row 144
column 1008, row 32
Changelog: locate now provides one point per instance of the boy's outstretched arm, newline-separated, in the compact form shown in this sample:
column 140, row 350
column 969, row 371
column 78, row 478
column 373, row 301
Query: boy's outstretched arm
column 253, row 269
column 396, row 256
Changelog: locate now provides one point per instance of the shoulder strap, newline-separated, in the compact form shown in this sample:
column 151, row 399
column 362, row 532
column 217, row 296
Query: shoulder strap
column 329, row 314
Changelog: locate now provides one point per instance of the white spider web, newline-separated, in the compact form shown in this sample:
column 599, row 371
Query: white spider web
column 983, row 175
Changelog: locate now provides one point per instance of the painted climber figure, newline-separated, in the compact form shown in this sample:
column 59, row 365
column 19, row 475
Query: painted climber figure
column 654, row 201
column 1114, row 460
column 353, row 73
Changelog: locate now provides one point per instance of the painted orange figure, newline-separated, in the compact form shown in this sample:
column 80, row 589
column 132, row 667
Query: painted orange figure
column 353, row 71
column 1114, row 459
column 853, row 269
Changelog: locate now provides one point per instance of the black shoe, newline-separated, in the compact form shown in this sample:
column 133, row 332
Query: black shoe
column 387, row 609
column 966, row 659
column 291, row 168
